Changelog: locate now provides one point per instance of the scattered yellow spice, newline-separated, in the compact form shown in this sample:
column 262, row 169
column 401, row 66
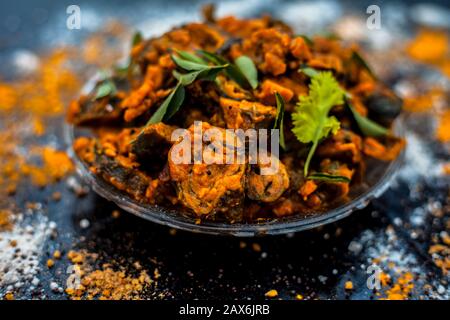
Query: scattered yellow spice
column 446, row 168
column 8, row 97
column 75, row 257
column 38, row 127
column 5, row 220
column 115, row 214
column 443, row 130
column 402, row 288
column 348, row 285
column 429, row 46
column 50, row 263
column 56, row 196
column 385, row 279
column 432, row 47
column 57, row 254
column 256, row 247
column 271, row 293
column 9, row 296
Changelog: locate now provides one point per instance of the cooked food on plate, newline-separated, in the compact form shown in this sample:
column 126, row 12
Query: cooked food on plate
column 318, row 98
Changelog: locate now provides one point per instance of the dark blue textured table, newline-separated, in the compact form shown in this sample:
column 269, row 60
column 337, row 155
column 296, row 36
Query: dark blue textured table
column 395, row 231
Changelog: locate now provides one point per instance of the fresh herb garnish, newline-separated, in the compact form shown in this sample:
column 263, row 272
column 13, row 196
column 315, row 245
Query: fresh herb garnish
column 130, row 66
column 321, row 176
column 248, row 69
column 310, row 118
column 137, row 38
column 189, row 65
column 367, row 126
column 232, row 71
column 329, row 35
column 106, row 88
column 307, row 39
column 170, row 106
column 192, row 57
column 279, row 120
column 199, row 69
column 312, row 72
column 360, row 60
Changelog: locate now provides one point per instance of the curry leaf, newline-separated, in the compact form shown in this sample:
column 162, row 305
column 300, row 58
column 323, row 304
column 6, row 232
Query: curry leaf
column 170, row 106
column 137, row 38
column 248, row 69
column 320, row 176
column 307, row 39
column 130, row 66
column 310, row 118
column 212, row 57
column 174, row 101
column 187, row 78
column 191, row 57
column 329, row 35
column 232, row 71
column 188, row 65
column 199, row 70
column 360, row 60
column 106, row 88
column 367, row 126
column 280, row 118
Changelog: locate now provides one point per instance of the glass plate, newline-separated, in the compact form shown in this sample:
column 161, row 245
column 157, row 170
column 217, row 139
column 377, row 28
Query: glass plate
column 377, row 181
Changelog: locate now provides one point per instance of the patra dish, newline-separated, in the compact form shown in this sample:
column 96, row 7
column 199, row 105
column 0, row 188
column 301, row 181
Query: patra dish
column 238, row 121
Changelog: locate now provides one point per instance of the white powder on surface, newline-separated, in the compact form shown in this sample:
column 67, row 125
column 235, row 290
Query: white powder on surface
column 419, row 161
column 20, row 251
column 25, row 61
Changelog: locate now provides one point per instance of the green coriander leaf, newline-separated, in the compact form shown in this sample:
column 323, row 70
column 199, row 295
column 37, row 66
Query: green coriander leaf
column 311, row 72
column 248, row 69
column 310, row 117
column 367, row 126
column 279, row 120
column 170, row 106
column 320, row 176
